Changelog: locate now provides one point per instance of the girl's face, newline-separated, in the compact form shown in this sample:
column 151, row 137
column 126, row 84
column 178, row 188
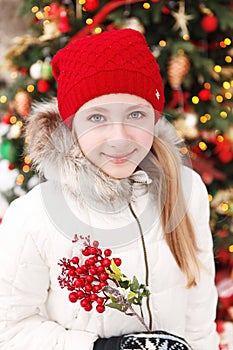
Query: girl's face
column 115, row 132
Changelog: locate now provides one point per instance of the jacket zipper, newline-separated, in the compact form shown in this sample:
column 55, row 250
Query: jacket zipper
column 146, row 261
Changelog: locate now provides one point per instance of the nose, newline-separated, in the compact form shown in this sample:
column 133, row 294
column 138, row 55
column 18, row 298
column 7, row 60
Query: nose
column 119, row 136
column 119, row 131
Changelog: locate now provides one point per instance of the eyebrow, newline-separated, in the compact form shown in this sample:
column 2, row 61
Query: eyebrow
column 99, row 109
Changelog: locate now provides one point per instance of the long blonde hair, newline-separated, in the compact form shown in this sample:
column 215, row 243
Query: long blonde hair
column 180, row 236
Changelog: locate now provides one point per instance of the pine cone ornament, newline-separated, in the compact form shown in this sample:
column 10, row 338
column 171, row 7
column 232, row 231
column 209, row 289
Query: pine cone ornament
column 177, row 68
column 22, row 103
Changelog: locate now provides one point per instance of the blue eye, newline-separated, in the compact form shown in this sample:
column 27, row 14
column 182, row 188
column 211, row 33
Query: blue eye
column 97, row 118
column 136, row 115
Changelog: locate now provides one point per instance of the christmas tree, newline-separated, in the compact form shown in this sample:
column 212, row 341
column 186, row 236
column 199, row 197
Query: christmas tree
column 192, row 43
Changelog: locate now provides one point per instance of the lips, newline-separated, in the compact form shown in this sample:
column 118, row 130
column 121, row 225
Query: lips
column 118, row 158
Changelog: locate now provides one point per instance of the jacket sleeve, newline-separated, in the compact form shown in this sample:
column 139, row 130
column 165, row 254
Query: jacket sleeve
column 24, row 283
column 202, row 301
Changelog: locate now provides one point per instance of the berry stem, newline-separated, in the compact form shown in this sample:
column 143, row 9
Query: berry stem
column 126, row 304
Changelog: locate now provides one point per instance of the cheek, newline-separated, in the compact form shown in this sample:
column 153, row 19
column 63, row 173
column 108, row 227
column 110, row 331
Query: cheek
column 89, row 141
column 144, row 139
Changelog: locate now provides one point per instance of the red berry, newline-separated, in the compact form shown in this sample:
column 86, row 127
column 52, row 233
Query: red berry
column 80, row 294
column 78, row 271
column 95, row 244
column 84, row 268
column 80, row 282
column 107, row 252
column 86, row 252
column 93, row 270
column 92, row 261
column 71, row 272
column 204, row 95
column 93, row 250
column 75, row 260
column 103, row 276
column 73, row 297
column 100, row 300
column 93, row 297
column 89, row 278
column 96, row 288
column 84, row 302
column 100, row 308
column 100, row 269
column 106, row 262
column 102, row 284
column 99, row 251
column 117, row 261
column 88, row 307
column 88, row 288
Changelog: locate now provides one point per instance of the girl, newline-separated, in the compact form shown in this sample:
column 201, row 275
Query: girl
column 113, row 172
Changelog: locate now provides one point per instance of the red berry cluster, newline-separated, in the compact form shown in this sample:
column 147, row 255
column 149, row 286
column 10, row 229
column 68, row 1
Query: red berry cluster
column 87, row 281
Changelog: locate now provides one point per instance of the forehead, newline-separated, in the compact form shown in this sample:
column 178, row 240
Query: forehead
column 113, row 100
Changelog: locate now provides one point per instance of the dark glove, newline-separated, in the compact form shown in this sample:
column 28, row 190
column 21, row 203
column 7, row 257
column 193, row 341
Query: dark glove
column 143, row 341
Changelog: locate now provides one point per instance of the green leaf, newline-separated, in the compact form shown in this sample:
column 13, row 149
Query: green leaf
column 131, row 295
column 115, row 269
column 124, row 284
column 116, row 306
column 135, row 284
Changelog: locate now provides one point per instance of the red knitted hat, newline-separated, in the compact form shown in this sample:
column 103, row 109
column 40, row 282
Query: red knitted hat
column 118, row 61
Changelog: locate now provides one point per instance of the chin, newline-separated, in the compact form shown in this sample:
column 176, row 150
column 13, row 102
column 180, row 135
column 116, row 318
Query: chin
column 118, row 172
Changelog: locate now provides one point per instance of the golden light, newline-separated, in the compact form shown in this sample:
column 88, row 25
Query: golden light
column 35, row 9
column 82, row 2
column 222, row 44
column 146, row 5
column 207, row 86
column 39, row 15
column 14, row 75
column 202, row 145
column 46, row 22
column 219, row 99
column 20, row 179
column 230, row 248
column 47, row 8
column 224, row 206
column 203, row 119
column 228, row 59
column 195, row 100
column 227, row 41
column 19, row 124
column 217, row 68
column 98, row 30
column 3, row 99
column 220, row 138
column 13, row 119
column 208, row 116
column 186, row 37
column 30, row 88
column 226, row 85
column 26, row 168
column 162, row 43
column 184, row 150
column 228, row 95
column 89, row 21
column 223, row 114
column 27, row 160
column 210, row 197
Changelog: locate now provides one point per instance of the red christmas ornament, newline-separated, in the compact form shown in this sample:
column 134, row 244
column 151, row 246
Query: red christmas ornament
column 165, row 10
column 64, row 26
column 11, row 166
column 43, row 86
column 24, row 71
column 91, row 5
column 209, row 23
column 204, row 95
column 6, row 119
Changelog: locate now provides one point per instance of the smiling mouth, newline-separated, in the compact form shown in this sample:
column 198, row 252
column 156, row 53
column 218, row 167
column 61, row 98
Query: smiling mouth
column 118, row 158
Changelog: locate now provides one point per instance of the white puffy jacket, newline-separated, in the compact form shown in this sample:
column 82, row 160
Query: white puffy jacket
column 37, row 232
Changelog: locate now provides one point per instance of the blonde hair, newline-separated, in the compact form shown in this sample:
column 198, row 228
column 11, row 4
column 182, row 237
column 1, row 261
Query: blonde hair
column 178, row 228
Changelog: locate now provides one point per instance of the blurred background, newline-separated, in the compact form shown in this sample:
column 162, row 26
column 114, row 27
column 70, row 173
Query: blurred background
column 192, row 42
